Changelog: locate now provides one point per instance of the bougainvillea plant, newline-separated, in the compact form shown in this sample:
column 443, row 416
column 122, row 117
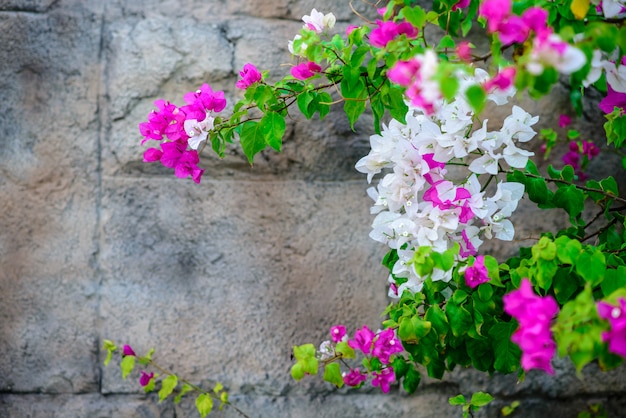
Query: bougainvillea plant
column 446, row 181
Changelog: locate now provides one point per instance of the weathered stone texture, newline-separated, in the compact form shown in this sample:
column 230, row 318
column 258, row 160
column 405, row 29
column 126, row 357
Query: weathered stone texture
column 222, row 278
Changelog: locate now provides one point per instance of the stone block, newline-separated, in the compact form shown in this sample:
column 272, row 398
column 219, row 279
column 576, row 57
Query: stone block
column 225, row 293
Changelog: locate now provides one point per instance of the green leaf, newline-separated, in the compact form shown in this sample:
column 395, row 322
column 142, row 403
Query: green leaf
column 110, row 347
column 353, row 109
column 476, row 96
column 459, row 318
column 304, row 101
column 272, row 126
column 613, row 279
column 457, row 400
column 568, row 250
column 185, row 389
column 150, row 386
column 332, row 374
column 345, row 350
column 481, row 354
column 411, row 380
column 167, row 386
column 414, row 15
column 480, row 399
column 204, row 404
column 252, row 139
column 591, row 266
column 446, row 42
column 564, row 285
column 507, row 353
column 615, row 128
column 307, row 363
column 571, row 199
column 413, row 328
column 127, row 365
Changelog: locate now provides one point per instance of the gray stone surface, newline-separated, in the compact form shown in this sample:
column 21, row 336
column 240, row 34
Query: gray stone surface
column 222, row 278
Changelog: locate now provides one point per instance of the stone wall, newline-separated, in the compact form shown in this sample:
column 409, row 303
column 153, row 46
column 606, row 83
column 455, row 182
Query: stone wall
column 222, row 278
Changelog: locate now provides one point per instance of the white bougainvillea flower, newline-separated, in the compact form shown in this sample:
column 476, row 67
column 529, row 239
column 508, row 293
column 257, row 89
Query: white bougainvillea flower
column 318, row 22
column 198, row 131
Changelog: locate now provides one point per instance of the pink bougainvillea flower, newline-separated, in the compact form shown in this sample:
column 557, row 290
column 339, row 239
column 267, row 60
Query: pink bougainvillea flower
column 536, row 20
column 386, row 345
column 167, row 120
column 404, row 72
column 564, row 121
column 464, row 51
column 128, row 351
column 388, row 31
column 249, row 76
column 145, row 378
column 477, row 273
column 337, row 333
column 495, row 12
column 305, row 70
column 175, row 155
column 590, row 149
column 461, row 4
column 363, row 338
column 354, row 378
column 616, row 336
column 202, row 101
column 513, row 30
column 384, row 379
column 612, row 100
column 502, row 81
column 350, row 28
column 534, row 337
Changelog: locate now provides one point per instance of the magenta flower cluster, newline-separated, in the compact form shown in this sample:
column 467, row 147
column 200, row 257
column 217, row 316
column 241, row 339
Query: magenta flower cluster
column 576, row 153
column 476, row 274
column 534, row 337
column 381, row 345
column 616, row 336
column 175, row 126
column 305, row 70
column 388, row 31
column 512, row 28
column 249, row 75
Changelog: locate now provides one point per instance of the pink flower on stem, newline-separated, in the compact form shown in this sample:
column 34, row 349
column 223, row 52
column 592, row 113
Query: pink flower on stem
column 305, row 70
column 513, row 30
column 534, row 337
column 249, row 76
column 128, row 351
column 384, row 379
column 162, row 122
column 202, row 101
column 354, row 378
column 461, row 4
column 388, row 31
column 495, row 12
column 386, row 345
column 476, row 274
column 502, row 81
column 145, row 378
column 536, row 19
column 616, row 336
column 175, row 155
column 337, row 333
column 464, row 51
column 612, row 100
column 564, row 121
column 350, row 28
column 363, row 338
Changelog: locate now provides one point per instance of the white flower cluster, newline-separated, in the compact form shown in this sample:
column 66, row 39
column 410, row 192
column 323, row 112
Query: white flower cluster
column 419, row 203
